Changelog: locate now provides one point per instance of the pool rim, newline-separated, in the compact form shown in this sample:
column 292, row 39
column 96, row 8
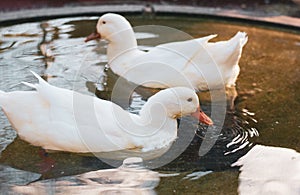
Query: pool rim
column 33, row 15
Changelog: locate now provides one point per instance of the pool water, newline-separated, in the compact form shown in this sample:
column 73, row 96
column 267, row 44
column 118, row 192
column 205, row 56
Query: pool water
column 266, row 110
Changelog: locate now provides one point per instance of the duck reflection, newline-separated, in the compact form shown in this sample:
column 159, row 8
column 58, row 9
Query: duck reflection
column 45, row 46
column 130, row 178
column 269, row 170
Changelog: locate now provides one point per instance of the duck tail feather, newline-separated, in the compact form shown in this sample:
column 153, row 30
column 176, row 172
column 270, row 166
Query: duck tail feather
column 41, row 80
column 242, row 36
column 209, row 37
column 29, row 84
column 38, row 77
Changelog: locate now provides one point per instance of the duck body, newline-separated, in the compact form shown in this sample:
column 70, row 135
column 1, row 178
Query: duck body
column 51, row 123
column 65, row 120
column 195, row 63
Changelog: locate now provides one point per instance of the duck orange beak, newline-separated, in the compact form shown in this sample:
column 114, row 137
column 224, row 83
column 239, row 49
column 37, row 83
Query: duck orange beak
column 202, row 117
column 93, row 36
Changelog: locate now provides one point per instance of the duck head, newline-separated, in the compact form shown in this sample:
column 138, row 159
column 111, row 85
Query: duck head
column 176, row 102
column 110, row 25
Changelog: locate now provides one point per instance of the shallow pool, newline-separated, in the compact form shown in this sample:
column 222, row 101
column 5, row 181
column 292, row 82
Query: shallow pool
column 266, row 110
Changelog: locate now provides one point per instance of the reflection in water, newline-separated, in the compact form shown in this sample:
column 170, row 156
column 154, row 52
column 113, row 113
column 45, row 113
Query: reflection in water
column 7, row 47
column 46, row 46
column 130, row 178
column 197, row 175
column 11, row 176
column 237, row 130
column 269, row 170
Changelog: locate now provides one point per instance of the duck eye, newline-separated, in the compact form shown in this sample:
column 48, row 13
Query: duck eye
column 103, row 22
column 190, row 99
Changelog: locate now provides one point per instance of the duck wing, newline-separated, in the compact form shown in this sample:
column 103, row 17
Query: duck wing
column 78, row 122
column 176, row 54
column 228, row 53
column 165, row 63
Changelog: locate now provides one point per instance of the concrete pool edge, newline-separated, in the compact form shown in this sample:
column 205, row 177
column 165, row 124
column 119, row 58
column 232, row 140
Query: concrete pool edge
column 45, row 13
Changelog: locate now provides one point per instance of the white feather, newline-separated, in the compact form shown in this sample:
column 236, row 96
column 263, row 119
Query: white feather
column 195, row 63
column 61, row 119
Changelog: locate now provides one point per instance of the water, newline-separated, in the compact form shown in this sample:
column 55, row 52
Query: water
column 266, row 110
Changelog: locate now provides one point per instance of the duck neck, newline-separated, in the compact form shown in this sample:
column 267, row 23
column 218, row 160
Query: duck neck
column 120, row 43
column 155, row 115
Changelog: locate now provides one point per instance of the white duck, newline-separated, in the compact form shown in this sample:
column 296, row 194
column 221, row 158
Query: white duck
column 196, row 63
column 61, row 119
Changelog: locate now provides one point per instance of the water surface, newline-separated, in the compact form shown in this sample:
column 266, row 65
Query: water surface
column 266, row 110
